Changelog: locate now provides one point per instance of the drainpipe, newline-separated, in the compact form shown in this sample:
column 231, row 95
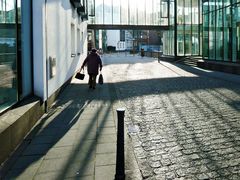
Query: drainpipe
column 46, row 103
column 31, row 25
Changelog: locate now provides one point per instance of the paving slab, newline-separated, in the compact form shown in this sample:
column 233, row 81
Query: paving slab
column 64, row 143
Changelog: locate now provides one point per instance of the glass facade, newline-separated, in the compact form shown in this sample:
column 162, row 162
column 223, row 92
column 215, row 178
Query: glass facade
column 169, row 36
column 188, row 27
column 10, row 19
column 130, row 12
column 221, row 25
column 184, row 35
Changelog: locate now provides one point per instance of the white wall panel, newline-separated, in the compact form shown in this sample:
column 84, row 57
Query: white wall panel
column 56, row 43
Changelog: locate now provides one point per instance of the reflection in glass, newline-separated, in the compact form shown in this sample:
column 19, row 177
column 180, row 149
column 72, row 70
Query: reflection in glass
column 156, row 12
column 219, row 35
column 99, row 12
column 180, row 40
column 212, row 36
column 188, row 41
column 116, row 12
column 131, row 12
column 164, row 12
column 107, row 11
column 159, row 12
column 188, row 27
column 180, row 12
column 223, row 31
column 187, row 12
column 149, row 13
column 205, row 35
column 171, row 12
column 141, row 12
column 124, row 11
column 8, row 63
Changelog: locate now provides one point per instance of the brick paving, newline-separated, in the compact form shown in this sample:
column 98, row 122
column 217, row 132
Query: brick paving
column 183, row 125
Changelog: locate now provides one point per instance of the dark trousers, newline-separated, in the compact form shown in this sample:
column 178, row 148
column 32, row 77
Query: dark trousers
column 92, row 80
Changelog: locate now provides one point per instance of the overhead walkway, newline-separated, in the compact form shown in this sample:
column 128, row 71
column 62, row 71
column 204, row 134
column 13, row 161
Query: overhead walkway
column 130, row 14
column 129, row 27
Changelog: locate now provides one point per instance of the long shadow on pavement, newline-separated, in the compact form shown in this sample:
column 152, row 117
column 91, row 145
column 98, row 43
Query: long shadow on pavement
column 68, row 112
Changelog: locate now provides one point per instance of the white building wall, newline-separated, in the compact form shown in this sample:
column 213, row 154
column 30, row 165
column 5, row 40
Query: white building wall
column 52, row 38
column 39, row 54
column 113, row 37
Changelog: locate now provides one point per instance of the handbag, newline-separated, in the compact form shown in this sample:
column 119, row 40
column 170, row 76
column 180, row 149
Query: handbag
column 100, row 79
column 80, row 75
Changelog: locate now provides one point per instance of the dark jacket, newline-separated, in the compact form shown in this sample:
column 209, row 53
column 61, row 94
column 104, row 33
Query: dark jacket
column 93, row 62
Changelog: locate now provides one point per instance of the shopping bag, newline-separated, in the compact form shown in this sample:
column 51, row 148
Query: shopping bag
column 80, row 75
column 100, row 79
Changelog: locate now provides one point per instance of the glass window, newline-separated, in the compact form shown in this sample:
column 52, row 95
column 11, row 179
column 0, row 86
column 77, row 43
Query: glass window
column 156, row 12
column 107, row 11
column 99, row 11
column 219, row 35
column 227, row 34
column 180, row 12
column 124, row 11
column 187, row 12
column 116, row 12
column 164, row 12
column 171, row 13
column 212, row 5
column 195, row 40
column 188, row 40
column 180, row 40
column 205, row 7
column 78, row 42
column 226, row 3
column 141, row 12
column 91, row 8
column 195, row 12
column 133, row 11
column 8, row 58
column 236, row 31
column 219, row 4
column 200, row 13
column 168, row 42
column 212, row 36
column 73, row 39
column 8, row 12
column 149, row 14
column 164, row 9
column 205, row 35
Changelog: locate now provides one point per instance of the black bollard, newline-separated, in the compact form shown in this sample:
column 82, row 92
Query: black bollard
column 120, row 169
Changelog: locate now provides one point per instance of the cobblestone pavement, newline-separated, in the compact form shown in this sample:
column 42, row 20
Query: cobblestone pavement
column 183, row 125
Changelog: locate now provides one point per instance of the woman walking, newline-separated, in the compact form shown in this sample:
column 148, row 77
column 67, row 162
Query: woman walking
column 94, row 63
